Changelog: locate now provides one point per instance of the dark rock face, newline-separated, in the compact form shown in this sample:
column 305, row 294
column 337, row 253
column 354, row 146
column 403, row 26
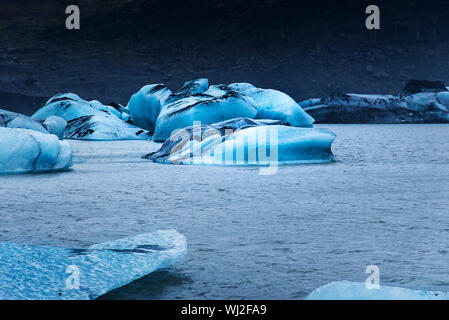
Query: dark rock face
column 234, row 124
column 417, row 86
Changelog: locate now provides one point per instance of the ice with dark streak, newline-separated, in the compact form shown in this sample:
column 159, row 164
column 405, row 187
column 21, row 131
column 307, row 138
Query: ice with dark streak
column 146, row 104
column 32, row 272
column 211, row 106
column 239, row 142
column 419, row 102
column 90, row 120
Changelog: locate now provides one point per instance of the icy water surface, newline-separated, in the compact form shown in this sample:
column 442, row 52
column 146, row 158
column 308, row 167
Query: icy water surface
column 385, row 201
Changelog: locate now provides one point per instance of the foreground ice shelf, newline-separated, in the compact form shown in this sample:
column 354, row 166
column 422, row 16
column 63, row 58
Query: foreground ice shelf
column 346, row 290
column 51, row 273
column 24, row 150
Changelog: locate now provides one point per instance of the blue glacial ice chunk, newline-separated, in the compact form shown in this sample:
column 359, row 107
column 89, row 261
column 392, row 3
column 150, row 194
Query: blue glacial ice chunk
column 90, row 120
column 24, row 150
column 189, row 88
column 422, row 107
column 346, row 290
column 47, row 273
column 146, row 104
column 208, row 107
column 10, row 119
column 274, row 104
column 244, row 141
column 55, row 125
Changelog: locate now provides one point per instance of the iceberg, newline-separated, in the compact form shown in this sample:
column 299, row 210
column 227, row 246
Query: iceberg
column 90, row 120
column 24, row 150
column 55, row 125
column 244, row 141
column 53, row 273
column 189, row 88
column 209, row 107
column 417, row 103
column 10, row 119
column 347, row 290
column 146, row 104
column 274, row 104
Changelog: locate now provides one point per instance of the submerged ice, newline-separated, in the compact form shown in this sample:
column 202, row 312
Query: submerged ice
column 52, row 273
column 346, row 290
column 90, row 120
column 24, row 150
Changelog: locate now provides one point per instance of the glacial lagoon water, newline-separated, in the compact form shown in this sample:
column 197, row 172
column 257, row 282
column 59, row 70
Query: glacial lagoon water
column 384, row 202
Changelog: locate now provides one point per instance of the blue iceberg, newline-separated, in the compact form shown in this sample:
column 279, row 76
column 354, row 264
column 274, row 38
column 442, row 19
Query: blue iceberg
column 55, row 125
column 214, row 105
column 24, row 150
column 274, row 104
column 346, row 290
column 244, row 141
column 146, row 104
column 189, row 88
column 420, row 107
column 10, row 119
column 52, row 273
column 90, row 120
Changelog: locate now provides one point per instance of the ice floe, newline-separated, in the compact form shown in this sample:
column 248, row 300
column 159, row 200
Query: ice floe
column 244, row 141
column 90, row 120
column 53, row 273
column 417, row 103
column 274, row 104
column 10, row 119
column 24, row 150
column 146, row 104
column 346, row 290
column 220, row 105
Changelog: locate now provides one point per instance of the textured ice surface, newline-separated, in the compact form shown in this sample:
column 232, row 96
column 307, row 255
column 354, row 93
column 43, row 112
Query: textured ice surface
column 346, row 290
column 41, row 272
column 423, row 107
column 220, row 105
column 55, row 125
column 90, row 120
column 146, row 104
column 24, row 150
column 189, row 88
column 16, row 120
column 274, row 104
column 244, row 141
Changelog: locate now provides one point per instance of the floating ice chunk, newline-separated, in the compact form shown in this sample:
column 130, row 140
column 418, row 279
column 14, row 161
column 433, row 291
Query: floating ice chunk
column 189, row 88
column 24, row 150
column 146, row 104
column 346, row 290
column 52, row 273
column 16, row 120
column 55, row 125
column 273, row 104
column 222, row 105
column 90, row 120
column 244, row 141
